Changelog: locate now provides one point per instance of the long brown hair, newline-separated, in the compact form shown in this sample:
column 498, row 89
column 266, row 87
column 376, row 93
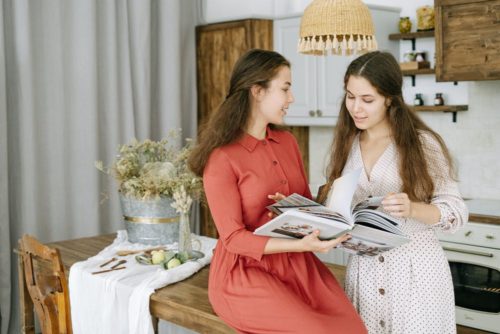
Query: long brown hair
column 382, row 71
column 255, row 67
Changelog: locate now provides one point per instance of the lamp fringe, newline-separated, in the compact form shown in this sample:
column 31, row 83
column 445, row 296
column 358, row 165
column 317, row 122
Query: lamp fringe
column 349, row 44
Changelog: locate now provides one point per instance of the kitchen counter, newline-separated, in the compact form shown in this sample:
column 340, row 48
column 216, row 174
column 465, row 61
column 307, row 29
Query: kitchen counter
column 486, row 211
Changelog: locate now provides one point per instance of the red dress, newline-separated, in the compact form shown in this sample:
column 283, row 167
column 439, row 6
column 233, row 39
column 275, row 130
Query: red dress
column 273, row 293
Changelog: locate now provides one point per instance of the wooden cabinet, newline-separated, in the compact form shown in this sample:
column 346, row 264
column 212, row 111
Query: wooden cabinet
column 318, row 81
column 218, row 47
column 467, row 40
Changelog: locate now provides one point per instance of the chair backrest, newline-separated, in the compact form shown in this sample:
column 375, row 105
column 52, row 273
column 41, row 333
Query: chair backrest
column 47, row 285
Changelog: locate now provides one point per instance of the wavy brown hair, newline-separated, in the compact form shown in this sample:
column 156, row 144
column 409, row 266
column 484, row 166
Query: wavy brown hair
column 255, row 67
column 382, row 71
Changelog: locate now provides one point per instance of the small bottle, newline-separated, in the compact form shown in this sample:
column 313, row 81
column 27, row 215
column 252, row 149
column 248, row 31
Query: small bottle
column 418, row 100
column 438, row 100
column 404, row 25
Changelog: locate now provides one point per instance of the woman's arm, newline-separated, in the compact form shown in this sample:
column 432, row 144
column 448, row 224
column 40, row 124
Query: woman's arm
column 447, row 209
column 223, row 196
column 309, row 243
column 446, row 197
column 399, row 205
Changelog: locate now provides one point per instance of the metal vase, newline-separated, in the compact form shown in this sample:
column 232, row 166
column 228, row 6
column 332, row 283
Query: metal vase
column 150, row 222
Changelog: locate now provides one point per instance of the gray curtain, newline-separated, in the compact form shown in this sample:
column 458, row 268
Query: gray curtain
column 77, row 79
column 5, row 274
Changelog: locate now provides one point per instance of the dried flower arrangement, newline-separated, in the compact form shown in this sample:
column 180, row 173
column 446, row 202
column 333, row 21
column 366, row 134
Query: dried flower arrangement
column 151, row 169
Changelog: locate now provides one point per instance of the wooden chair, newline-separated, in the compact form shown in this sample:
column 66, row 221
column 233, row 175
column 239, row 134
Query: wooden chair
column 41, row 275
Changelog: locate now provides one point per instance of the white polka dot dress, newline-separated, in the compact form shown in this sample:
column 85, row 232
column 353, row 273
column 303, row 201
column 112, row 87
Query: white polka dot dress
column 408, row 289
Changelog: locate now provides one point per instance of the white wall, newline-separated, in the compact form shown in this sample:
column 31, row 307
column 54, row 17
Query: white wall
column 227, row 10
column 473, row 139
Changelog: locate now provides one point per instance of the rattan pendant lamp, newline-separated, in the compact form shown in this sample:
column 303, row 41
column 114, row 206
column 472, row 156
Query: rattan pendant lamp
column 343, row 27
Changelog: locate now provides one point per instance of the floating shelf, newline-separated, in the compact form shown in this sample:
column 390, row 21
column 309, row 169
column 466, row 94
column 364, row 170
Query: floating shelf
column 453, row 109
column 419, row 71
column 442, row 108
column 412, row 35
column 413, row 73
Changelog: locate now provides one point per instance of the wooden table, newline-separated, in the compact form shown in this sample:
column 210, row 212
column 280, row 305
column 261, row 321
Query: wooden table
column 184, row 303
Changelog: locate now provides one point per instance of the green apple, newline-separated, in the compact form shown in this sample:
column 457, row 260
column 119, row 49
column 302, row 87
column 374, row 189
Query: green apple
column 173, row 263
column 157, row 256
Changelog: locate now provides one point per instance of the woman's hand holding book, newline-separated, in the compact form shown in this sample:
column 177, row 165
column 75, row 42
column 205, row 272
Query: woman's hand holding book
column 312, row 243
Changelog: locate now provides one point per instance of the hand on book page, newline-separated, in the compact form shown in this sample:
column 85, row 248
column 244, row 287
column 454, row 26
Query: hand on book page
column 294, row 201
column 312, row 243
column 276, row 197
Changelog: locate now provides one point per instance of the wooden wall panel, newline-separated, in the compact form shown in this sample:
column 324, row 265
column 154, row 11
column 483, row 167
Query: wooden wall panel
column 301, row 133
column 467, row 40
column 218, row 47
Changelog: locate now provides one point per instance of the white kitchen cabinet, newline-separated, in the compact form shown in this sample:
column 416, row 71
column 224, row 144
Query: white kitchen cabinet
column 317, row 81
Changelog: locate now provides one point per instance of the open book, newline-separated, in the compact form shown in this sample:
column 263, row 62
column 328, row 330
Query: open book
column 372, row 231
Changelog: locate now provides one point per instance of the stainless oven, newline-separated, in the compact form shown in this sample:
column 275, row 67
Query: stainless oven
column 474, row 257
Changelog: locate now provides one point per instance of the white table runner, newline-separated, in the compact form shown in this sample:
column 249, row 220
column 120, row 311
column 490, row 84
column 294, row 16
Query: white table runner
column 118, row 301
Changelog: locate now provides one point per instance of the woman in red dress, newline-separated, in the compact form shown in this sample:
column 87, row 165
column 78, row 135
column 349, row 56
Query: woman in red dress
column 260, row 284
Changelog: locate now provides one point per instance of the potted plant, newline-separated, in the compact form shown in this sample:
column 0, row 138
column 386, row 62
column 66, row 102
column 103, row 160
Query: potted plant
column 156, row 188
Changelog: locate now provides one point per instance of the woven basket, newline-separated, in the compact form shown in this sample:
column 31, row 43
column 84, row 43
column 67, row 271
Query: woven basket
column 339, row 26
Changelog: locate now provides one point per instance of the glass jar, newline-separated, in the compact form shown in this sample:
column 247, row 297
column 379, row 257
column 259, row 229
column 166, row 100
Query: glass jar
column 438, row 100
column 418, row 101
column 425, row 18
column 404, row 25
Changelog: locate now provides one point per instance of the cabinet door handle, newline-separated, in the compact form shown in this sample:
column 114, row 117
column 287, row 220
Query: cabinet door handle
column 465, row 251
column 489, row 236
column 319, row 113
column 312, row 113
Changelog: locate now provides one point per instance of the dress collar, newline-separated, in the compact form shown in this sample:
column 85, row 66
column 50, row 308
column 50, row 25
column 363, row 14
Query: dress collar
column 250, row 142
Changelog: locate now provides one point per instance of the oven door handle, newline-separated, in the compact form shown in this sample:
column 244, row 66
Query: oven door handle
column 464, row 251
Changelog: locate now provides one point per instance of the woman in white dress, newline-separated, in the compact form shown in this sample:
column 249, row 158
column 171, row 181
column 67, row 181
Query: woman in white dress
column 407, row 289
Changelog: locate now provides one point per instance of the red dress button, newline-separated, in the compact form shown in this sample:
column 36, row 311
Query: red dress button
column 275, row 162
column 283, row 182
